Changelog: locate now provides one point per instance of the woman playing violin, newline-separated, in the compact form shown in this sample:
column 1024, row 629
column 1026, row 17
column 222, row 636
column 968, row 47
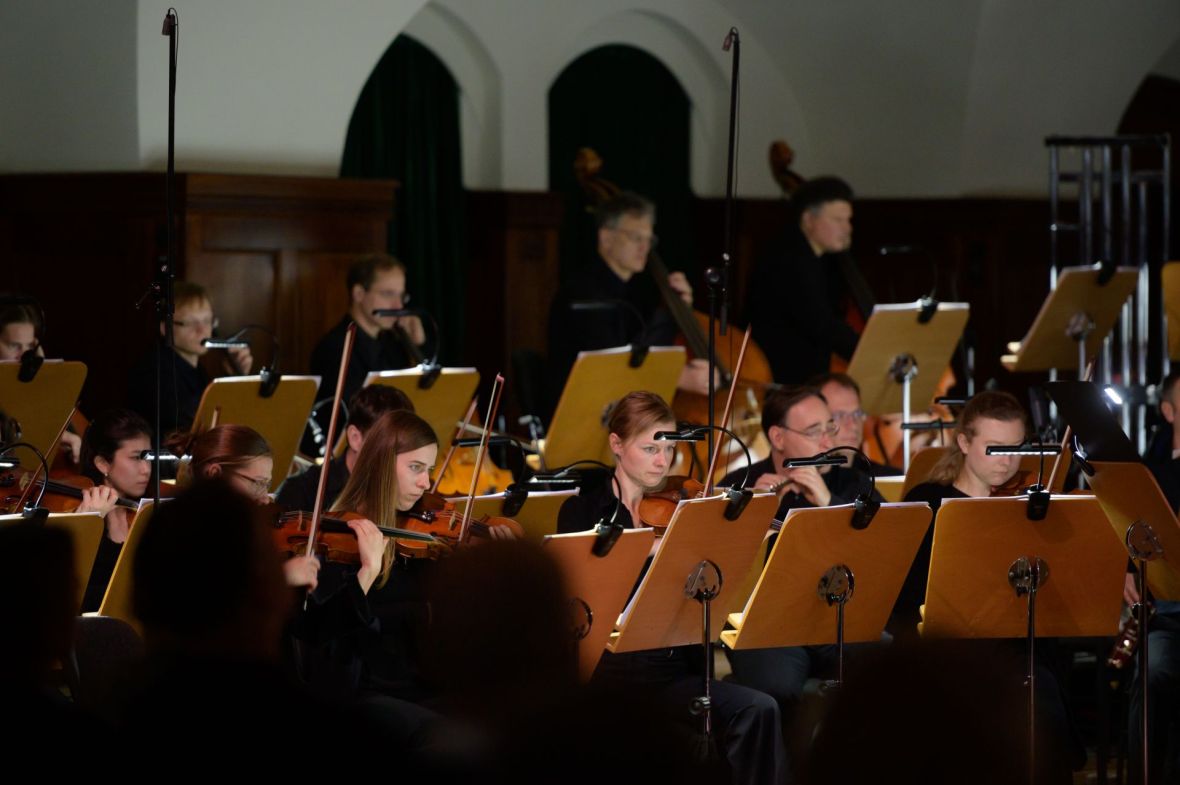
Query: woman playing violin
column 111, row 457
column 241, row 457
column 747, row 721
column 641, row 464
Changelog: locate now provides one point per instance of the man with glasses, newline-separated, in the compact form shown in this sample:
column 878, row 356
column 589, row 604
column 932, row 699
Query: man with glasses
column 182, row 379
column 843, row 396
column 798, row 424
column 383, row 343
column 625, row 238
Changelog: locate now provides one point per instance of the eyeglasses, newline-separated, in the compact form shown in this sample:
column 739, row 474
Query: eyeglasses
column 856, row 418
column 393, row 294
column 211, row 322
column 639, row 237
column 818, row 431
column 258, row 485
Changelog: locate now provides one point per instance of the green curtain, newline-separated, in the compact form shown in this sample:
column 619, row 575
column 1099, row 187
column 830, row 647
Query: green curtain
column 405, row 126
column 629, row 107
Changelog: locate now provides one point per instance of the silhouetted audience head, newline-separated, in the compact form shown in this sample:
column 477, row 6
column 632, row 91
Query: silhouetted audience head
column 947, row 711
column 207, row 578
column 38, row 601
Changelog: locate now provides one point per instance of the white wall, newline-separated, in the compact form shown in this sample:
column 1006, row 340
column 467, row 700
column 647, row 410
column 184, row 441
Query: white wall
column 907, row 98
column 67, row 76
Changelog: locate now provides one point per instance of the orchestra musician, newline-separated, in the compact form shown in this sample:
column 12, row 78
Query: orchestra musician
column 803, row 292
column 1163, row 635
column 111, row 457
column 22, row 330
column 182, row 379
column 383, row 343
column 798, row 424
column 843, row 396
column 966, row 470
column 626, row 224
column 748, row 724
column 298, row 492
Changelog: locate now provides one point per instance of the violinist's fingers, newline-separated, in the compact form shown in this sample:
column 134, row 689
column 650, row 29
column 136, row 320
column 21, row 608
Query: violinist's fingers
column 100, row 499
column 71, row 445
column 370, row 542
column 501, row 533
column 302, row 571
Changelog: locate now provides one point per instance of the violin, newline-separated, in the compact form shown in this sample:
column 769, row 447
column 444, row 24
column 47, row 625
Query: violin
column 657, row 507
column 435, row 516
column 20, row 486
column 335, row 542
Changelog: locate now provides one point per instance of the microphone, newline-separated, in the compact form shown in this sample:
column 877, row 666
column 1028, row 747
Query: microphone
column 169, row 22
column 227, row 343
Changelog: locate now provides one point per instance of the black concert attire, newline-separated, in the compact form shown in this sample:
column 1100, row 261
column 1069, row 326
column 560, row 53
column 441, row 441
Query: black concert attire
column 298, row 491
column 1163, row 648
column 386, row 352
column 573, row 331
column 796, row 304
column 782, row 672
column 746, row 722
column 1061, row 749
column 181, row 387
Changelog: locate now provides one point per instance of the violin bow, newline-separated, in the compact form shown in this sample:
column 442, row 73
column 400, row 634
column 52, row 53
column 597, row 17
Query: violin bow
column 459, row 431
column 729, row 400
column 493, row 407
column 322, row 485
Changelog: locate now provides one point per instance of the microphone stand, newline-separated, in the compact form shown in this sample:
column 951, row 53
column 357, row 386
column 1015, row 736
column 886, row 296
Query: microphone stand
column 160, row 288
column 717, row 278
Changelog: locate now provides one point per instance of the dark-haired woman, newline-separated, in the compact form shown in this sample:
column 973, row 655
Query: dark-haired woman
column 111, row 450
column 746, row 721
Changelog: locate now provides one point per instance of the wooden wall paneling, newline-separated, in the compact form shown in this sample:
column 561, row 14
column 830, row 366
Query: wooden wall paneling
column 320, row 300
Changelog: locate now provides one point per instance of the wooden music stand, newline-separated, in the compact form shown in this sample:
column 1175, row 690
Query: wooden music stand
column 900, row 360
column 537, row 515
column 41, row 405
column 659, row 615
column 441, row 404
column 996, row 574
column 817, row 552
column 280, row 419
column 1077, row 309
column 597, row 380
column 976, row 541
column 598, row 586
column 86, row 530
column 683, row 597
column 116, row 602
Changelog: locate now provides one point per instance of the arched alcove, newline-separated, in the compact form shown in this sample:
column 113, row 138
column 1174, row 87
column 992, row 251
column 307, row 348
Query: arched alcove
column 626, row 105
column 405, row 126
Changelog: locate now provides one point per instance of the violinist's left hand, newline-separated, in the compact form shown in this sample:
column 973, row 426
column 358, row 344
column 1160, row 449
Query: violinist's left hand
column 71, row 445
column 241, row 359
column 371, row 544
column 501, row 533
column 679, row 283
column 694, row 377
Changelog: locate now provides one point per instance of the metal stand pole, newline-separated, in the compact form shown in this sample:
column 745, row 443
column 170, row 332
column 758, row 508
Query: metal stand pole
column 1143, row 546
column 1026, row 575
column 835, row 588
column 703, row 585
